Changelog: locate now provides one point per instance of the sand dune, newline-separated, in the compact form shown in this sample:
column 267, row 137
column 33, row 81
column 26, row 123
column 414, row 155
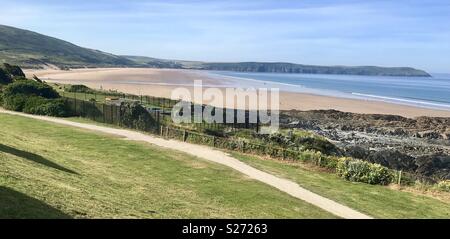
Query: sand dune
column 161, row 82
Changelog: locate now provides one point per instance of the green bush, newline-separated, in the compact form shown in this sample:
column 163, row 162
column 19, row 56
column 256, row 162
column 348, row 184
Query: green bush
column 298, row 140
column 30, row 88
column 329, row 162
column 14, row 102
column 444, row 186
column 360, row 171
column 50, row 107
column 134, row 116
column 34, row 98
column 79, row 89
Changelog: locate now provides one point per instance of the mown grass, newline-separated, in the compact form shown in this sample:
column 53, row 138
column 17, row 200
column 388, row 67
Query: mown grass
column 377, row 201
column 53, row 171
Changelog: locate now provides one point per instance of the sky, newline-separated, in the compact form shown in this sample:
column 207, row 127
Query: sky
column 412, row 33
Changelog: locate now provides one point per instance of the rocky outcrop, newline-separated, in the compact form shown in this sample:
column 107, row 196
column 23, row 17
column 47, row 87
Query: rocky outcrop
column 420, row 146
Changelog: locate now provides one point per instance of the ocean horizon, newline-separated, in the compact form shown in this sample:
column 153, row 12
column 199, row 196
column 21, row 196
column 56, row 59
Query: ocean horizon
column 426, row 92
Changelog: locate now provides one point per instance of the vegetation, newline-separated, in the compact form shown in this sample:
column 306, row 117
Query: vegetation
column 444, row 186
column 31, row 96
column 134, row 116
column 297, row 140
column 375, row 200
column 30, row 88
column 79, row 89
column 361, row 171
column 93, row 175
column 30, row 49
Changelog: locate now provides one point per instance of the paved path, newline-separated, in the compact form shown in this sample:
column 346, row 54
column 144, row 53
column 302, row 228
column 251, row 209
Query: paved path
column 219, row 157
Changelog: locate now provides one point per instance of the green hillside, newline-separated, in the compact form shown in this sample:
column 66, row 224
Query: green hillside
column 30, row 49
column 33, row 50
column 53, row 171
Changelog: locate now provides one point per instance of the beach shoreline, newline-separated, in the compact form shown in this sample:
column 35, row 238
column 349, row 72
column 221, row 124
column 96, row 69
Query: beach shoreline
column 161, row 83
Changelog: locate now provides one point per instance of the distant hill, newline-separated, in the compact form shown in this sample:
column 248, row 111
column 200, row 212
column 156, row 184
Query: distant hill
column 308, row 69
column 280, row 67
column 29, row 49
column 33, row 50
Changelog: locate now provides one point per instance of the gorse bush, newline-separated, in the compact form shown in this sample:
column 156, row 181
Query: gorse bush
column 360, row 171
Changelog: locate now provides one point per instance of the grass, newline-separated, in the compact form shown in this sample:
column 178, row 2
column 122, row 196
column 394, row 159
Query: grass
column 377, row 201
column 53, row 171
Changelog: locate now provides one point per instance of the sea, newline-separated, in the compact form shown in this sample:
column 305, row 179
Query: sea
column 427, row 92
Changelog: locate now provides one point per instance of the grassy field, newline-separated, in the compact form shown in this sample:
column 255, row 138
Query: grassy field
column 377, row 201
column 52, row 171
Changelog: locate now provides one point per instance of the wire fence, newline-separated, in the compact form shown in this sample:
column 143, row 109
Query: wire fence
column 106, row 108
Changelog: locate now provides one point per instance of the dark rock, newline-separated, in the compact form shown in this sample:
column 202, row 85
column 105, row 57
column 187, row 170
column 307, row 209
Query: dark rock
column 358, row 152
column 393, row 159
column 434, row 165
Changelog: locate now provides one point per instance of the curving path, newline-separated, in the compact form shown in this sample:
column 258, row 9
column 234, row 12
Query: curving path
column 219, row 157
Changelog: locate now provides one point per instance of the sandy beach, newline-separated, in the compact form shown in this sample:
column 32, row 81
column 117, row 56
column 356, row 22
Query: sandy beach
column 161, row 82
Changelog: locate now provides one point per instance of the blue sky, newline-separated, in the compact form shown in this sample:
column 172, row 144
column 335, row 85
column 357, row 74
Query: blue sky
column 350, row 32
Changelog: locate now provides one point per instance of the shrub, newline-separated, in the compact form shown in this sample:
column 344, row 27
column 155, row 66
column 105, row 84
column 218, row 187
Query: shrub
column 444, row 186
column 301, row 140
column 317, row 144
column 50, row 107
column 14, row 102
column 34, row 98
column 30, row 88
column 329, row 162
column 310, row 156
column 360, row 171
column 134, row 116
column 79, row 89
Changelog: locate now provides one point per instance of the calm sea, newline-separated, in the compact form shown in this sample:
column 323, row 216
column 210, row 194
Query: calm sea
column 429, row 92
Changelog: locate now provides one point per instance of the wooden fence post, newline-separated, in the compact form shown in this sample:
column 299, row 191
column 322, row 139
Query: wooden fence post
column 111, row 108
column 400, row 177
column 104, row 113
column 184, row 136
column 161, row 133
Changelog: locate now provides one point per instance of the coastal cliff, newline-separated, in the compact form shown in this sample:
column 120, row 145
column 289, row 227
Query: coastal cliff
column 309, row 69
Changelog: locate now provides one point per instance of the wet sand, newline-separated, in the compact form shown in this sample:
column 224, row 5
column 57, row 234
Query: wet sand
column 161, row 82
